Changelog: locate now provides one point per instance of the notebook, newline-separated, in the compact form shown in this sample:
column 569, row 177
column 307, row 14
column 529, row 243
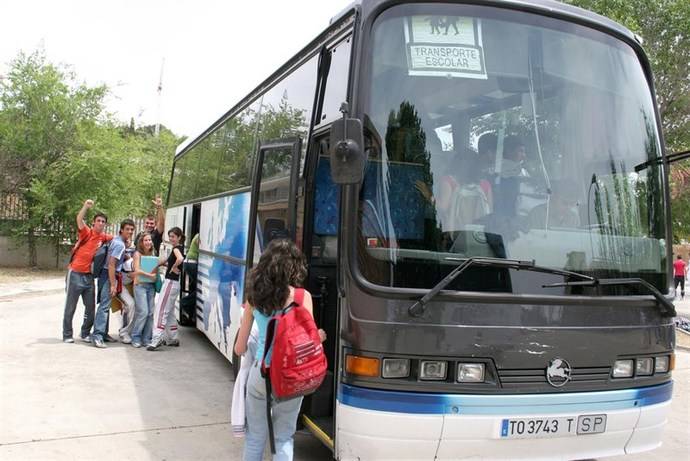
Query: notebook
column 148, row 264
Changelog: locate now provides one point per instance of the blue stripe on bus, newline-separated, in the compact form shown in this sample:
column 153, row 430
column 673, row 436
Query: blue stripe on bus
column 577, row 402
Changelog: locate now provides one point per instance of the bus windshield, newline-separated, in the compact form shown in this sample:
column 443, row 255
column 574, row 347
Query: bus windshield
column 504, row 134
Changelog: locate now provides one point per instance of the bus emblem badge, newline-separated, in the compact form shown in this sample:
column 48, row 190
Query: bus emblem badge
column 558, row 373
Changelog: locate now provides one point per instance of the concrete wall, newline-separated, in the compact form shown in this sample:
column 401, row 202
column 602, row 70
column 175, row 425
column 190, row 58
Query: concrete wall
column 14, row 254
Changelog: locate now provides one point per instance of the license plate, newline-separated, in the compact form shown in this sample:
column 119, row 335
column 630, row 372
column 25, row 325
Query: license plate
column 530, row 428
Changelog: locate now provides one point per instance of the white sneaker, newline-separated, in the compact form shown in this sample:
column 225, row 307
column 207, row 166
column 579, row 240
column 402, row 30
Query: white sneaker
column 126, row 339
column 155, row 344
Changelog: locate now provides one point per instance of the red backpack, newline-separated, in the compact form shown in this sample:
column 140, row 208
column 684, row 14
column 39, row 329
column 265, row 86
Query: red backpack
column 298, row 362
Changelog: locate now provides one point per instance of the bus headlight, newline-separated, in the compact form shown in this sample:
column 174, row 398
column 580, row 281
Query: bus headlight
column 623, row 369
column 470, row 372
column 644, row 367
column 661, row 364
column 396, row 368
column 432, row 370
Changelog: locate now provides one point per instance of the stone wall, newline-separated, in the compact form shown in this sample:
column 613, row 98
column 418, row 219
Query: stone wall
column 16, row 254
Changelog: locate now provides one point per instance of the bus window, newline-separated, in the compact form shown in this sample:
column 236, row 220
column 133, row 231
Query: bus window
column 326, row 212
column 336, row 84
column 561, row 172
column 274, row 205
column 286, row 108
column 236, row 139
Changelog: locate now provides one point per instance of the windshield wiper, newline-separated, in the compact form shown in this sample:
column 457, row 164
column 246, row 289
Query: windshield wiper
column 418, row 308
column 669, row 158
column 666, row 307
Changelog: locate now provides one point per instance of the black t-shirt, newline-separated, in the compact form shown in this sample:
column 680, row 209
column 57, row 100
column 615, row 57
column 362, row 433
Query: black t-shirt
column 171, row 261
column 156, row 238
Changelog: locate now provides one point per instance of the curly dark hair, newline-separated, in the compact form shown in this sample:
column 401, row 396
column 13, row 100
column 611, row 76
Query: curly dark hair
column 281, row 265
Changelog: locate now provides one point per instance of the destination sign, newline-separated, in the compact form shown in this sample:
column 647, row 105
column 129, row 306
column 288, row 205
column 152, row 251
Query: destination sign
column 445, row 46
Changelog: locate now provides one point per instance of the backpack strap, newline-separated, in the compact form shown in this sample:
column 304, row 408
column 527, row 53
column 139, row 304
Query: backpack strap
column 77, row 245
column 299, row 296
column 270, row 334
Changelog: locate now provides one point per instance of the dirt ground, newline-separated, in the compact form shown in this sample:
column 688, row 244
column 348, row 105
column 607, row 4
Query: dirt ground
column 23, row 274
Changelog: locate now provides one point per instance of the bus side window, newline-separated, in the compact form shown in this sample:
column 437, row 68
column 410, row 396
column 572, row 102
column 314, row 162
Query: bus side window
column 336, row 84
column 326, row 213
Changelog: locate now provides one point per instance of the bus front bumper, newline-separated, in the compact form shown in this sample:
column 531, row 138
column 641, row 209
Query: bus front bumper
column 387, row 425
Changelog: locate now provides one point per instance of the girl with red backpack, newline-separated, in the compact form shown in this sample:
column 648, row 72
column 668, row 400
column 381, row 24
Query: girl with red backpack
column 273, row 287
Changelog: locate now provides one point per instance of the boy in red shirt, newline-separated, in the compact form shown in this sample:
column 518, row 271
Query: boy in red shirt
column 80, row 281
column 679, row 270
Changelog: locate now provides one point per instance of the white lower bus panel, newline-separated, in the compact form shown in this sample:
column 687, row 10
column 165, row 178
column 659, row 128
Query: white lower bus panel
column 634, row 423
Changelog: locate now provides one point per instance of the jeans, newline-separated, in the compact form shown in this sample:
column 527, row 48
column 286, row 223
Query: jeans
column 100, row 325
column 144, row 295
column 78, row 284
column 284, row 421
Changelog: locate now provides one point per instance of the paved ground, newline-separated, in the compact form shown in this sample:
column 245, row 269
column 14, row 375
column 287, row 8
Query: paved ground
column 73, row 401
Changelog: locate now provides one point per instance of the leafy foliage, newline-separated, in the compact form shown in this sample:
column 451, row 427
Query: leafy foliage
column 664, row 26
column 58, row 148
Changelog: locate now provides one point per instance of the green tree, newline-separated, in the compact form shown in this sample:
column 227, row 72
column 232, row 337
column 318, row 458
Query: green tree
column 43, row 111
column 59, row 148
column 664, row 26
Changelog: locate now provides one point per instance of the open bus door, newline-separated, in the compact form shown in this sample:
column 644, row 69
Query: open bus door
column 188, row 291
column 272, row 213
column 274, row 192
column 322, row 212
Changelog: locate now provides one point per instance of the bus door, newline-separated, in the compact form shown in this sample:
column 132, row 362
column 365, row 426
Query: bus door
column 321, row 250
column 188, row 291
column 274, row 193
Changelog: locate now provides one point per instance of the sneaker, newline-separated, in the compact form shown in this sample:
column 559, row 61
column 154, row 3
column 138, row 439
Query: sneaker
column 86, row 339
column 155, row 344
column 68, row 340
column 125, row 339
column 172, row 342
column 109, row 339
column 98, row 342
column 136, row 344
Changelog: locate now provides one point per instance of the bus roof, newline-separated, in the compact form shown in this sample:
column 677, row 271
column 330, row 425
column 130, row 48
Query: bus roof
column 369, row 7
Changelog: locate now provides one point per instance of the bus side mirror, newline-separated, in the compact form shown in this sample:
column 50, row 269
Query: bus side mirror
column 347, row 153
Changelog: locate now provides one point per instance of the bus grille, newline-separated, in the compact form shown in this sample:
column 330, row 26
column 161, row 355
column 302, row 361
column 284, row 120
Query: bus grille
column 531, row 377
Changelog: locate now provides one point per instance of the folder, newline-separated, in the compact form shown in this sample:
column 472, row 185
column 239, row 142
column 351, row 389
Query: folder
column 148, row 264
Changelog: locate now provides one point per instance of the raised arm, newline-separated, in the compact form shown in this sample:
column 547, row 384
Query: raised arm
column 160, row 213
column 80, row 216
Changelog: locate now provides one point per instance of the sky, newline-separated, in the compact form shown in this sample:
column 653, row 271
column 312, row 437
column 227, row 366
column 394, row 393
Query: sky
column 212, row 53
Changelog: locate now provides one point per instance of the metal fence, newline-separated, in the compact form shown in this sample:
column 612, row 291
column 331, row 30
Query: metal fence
column 12, row 208
column 13, row 213
column 113, row 226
